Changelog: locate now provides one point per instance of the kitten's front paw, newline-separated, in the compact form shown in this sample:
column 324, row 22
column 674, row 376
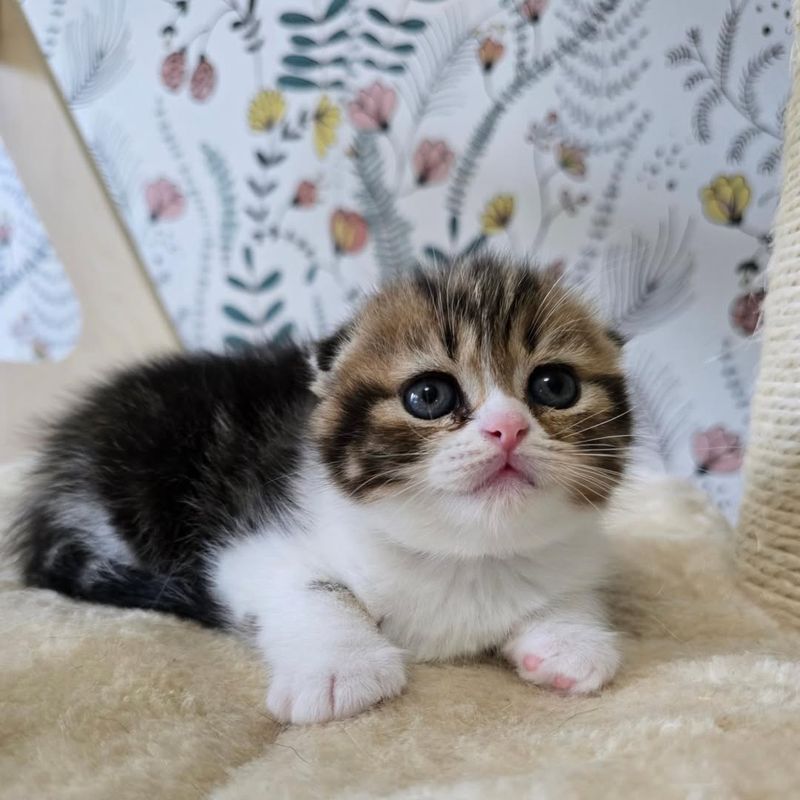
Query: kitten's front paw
column 332, row 686
column 573, row 657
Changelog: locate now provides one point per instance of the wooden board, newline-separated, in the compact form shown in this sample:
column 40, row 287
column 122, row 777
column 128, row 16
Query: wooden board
column 122, row 318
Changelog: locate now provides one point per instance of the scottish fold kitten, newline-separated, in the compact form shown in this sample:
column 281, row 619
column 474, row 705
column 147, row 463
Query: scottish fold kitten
column 423, row 485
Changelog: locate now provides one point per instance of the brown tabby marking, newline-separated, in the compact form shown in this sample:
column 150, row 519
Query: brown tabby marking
column 487, row 323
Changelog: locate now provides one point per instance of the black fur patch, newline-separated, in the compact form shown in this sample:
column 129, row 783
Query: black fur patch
column 180, row 455
column 616, row 337
column 351, row 431
column 329, row 347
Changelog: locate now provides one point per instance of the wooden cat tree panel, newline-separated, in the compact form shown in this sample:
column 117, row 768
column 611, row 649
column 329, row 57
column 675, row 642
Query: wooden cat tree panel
column 122, row 318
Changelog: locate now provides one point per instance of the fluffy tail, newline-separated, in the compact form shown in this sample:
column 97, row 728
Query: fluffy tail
column 61, row 561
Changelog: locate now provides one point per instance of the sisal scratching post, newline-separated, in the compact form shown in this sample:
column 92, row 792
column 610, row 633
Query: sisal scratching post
column 768, row 537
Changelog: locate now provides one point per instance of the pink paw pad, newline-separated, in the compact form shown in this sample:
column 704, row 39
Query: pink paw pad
column 531, row 662
column 563, row 682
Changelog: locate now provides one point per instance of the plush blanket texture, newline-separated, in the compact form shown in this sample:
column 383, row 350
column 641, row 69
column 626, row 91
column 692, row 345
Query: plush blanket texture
column 97, row 703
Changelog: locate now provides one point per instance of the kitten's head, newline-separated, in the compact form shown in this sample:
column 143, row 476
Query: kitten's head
column 485, row 397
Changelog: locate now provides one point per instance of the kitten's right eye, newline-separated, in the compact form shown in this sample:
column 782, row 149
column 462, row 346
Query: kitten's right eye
column 431, row 396
column 553, row 385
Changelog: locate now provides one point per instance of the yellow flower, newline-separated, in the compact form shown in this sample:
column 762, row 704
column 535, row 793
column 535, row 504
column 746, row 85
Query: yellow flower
column 725, row 199
column 327, row 117
column 571, row 159
column 348, row 230
column 266, row 110
column 497, row 214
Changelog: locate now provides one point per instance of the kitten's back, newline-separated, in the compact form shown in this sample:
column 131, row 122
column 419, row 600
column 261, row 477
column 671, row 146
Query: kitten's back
column 158, row 466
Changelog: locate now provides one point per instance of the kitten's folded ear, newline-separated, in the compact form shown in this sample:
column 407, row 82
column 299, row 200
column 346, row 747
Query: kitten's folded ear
column 325, row 352
column 328, row 349
column 616, row 337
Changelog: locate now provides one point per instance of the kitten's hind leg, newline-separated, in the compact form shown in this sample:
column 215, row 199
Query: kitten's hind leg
column 92, row 564
column 326, row 656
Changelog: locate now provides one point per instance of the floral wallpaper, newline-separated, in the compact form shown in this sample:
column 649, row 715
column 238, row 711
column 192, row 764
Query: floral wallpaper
column 39, row 314
column 274, row 159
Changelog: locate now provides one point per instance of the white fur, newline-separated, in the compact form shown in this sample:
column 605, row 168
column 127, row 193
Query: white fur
column 437, row 571
column 90, row 523
column 571, row 646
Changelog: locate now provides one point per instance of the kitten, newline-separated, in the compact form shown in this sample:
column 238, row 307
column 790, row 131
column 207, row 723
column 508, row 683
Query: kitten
column 424, row 485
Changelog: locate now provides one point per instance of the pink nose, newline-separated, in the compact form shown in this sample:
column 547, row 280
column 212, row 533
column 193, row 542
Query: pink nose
column 507, row 428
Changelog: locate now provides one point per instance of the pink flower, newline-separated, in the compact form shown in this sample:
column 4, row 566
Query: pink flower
column 373, row 107
column 204, row 79
column 164, row 200
column 542, row 134
column 432, row 161
column 173, row 70
column 532, row 10
column 348, row 231
column 305, row 195
column 490, row 52
column 745, row 312
column 717, row 450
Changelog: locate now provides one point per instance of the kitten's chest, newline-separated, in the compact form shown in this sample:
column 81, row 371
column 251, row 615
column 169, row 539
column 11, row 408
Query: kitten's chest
column 444, row 609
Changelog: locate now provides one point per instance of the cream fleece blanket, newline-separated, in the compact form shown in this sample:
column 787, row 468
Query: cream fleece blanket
column 97, row 703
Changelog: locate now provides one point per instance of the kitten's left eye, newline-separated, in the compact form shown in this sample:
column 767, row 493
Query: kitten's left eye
column 553, row 385
column 431, row 396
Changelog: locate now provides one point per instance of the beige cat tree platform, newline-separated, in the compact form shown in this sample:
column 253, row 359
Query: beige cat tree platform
column 97, row 703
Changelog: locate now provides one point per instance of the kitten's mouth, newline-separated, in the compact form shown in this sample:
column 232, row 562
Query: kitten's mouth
column 507, row 477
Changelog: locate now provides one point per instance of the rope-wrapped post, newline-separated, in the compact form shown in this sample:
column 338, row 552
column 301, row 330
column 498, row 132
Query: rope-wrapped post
column 768, row 536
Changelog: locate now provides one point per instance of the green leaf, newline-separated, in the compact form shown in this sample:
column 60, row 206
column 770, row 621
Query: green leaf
column 394, row 68
column 379, row 16
column 239, row 284
column 247, row 255
column 400, row 49
column 273, row 311
column 284, row 334
column 435, row 255
column 272, row 280
column 474, row 246
column 269, row 159
column 237, row 316
column 334, row 8
column 293, row 82
column 312, row 273
column 300, row 62
column 293, row 18
column 306, row 41
column 236, row 343
column 303, row 41
column 412, row 25
column 332, row 85
column 453, row 227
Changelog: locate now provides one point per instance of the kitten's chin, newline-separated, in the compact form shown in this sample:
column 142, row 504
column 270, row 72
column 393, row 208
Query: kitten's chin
column 507, row 518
